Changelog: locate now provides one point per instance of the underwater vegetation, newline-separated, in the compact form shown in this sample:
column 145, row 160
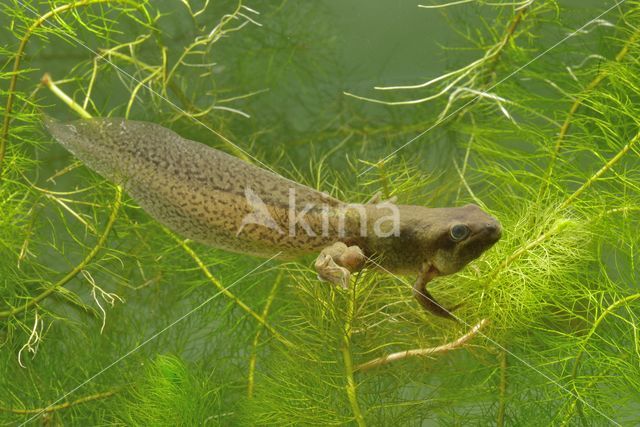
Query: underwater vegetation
column 529, row 109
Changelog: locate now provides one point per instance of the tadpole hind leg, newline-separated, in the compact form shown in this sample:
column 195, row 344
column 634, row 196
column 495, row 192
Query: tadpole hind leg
column 427, row 301
column 336, row 263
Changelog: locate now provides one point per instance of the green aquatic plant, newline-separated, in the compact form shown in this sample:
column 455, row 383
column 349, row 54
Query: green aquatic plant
column 107, row 317
column 169, row 394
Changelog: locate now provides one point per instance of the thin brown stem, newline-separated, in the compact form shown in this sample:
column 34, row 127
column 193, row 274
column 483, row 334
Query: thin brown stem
column 578, row 359
column 557, row 227
column 511, row 29
column 602, row 170
column 256, row 338
column 15, row 72
column 117, row 202
column 564, row 129
column 227, row 292
column 567, row 202
column 348, row 361
column 598, row 321
column 48, row 82
column 503, row 388
column 422, row 352
column 53, row 408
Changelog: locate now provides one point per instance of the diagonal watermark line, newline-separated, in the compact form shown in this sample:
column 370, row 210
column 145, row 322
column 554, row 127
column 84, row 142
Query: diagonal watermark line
column 146, row 341
column 150, row 89
column 529, row 365
column 474, row 99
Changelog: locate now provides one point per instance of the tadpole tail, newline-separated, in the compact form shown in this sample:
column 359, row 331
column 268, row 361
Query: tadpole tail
column 55, row 127
column 104, row 144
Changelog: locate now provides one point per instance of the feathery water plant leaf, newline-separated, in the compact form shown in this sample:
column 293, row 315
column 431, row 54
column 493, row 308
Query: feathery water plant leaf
column 536, row 117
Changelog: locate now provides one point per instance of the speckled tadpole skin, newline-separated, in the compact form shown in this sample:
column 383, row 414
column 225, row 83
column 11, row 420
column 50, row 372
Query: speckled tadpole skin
column 196, row 190
column 207, row 195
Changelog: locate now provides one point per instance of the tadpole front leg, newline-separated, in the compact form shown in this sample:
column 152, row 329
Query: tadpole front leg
column 424, row 297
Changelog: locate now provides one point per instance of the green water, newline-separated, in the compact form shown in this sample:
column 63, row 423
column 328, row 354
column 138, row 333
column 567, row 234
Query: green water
column 560, row 289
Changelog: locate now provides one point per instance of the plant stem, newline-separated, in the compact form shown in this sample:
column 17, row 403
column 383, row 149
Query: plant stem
column 66, row 405
column 503, row 387
column 348, row 362
column 256, row 338
column 11, row 92
column 599, row 320
column 602, row 170
column 558, row 225
column 511, row 29
column 117, row 202
column 226, row 292
column 576, row 363
column 351, row 387
column 384, row 180
column 422, row 352
column 564, row 129
column 48, row 82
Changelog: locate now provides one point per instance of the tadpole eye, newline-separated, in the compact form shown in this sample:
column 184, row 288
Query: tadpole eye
column 459, row 232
